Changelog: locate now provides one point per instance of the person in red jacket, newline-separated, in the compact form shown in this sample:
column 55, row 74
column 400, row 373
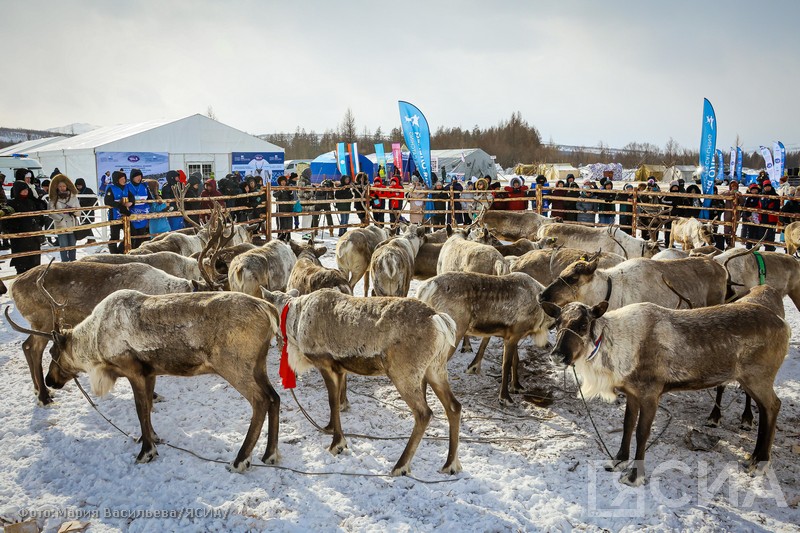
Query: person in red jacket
column 377, row 201
column 209, row 191
column 395, row 199
column 517, row 190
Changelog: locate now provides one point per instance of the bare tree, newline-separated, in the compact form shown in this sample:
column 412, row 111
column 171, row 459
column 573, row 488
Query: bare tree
column 348, row 127
column 210, row 113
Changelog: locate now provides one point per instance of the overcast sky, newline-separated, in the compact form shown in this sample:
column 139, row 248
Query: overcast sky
column 580, row 71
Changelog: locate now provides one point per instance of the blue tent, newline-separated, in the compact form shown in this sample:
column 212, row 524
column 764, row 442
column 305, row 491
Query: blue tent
column 324, row 167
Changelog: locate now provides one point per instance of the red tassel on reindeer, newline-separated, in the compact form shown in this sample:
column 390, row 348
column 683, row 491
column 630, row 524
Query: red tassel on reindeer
column 288, row 378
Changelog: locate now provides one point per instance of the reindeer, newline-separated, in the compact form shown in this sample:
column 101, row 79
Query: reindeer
column 268, row 266
column 610, row 239
column 523, row 246
column 678, row 283
column 170, row 262
column 426, row 260
column 645, row 350
column 392, row 263
column 228, row 335
column 781, row 271
column 82, row 285
column 545, row 265
column 791, row 234
column 401, row 338
column 308, row 274
column 354, row 250
column 691, row 233
column 486, row 305
column 674, row 253
column 459, row 254
column 513, row 225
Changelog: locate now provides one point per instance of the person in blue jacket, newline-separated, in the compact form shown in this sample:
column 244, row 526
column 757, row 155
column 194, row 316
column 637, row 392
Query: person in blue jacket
column 141, row 193
column 157, row 225
column 120, row 199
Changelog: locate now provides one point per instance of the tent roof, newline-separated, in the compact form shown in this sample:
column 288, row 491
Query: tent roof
column 28, row 146
column 194, row 133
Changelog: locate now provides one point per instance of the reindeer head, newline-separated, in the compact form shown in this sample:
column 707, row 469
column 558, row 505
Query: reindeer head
column 574, row 329
column 651, row 248
column 707, row 231
column 570, row 284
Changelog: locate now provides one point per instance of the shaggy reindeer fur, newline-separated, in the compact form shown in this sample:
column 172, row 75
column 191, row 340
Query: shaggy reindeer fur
column 426, row 260
column 401, row 338
column 461, row 255
column 486, row 306
column 545, row 265
column 170, row 262
column 227, row 334
column 186, row 244
column 392, row 263
column 354, row 251
column 610, row 239
column 699, row 280
column 783, row 272
column 268, row 266
column 792, row 237
column 511, row 225
column 647, row 350
column 308, row 274
column 81, row 285
column 691, row 233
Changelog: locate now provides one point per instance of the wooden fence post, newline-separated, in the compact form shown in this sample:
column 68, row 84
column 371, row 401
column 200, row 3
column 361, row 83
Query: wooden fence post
column 268, row 214
column 126, row 227
column 538, row 198
column 634, row 211
column 734, row 219
column 452, row 206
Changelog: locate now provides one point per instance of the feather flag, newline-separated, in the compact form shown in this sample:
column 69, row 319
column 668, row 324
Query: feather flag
column 418, row 138
column 779, row 153
column 769, row 165
column 708, row 144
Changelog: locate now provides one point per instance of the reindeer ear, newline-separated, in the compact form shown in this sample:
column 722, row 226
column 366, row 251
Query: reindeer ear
column 551, row 309
column 599, row 309
column 294, row 293
column 421, row 232
column 319, row 251
column 449, row 230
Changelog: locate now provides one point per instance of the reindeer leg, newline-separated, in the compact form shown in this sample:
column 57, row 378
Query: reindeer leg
column 508, row 348
column 466, row 345
column 332, row 383
column 437, row 377
column 768, row 406
column 344, row 404
column 413, row 393
column 747, row 415
column 33, row 348
column 144, row 403
column 475, row 366
column 635, row 475
column 150, row 383
column 716, row 414
column 366, row 282
column 631, row 414
column 515, row 385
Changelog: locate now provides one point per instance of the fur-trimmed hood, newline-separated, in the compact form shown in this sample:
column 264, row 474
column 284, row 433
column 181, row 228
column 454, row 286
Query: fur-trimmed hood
column 59, row 178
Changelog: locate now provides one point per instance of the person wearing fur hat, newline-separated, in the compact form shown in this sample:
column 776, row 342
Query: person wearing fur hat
column 141, row 193
column 516, row 189
column 157, row 225
column 210, row 191
column 22, row 201
column 64, row 195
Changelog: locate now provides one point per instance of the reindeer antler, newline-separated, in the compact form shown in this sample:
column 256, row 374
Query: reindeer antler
column 179, row 190
column 220, row 235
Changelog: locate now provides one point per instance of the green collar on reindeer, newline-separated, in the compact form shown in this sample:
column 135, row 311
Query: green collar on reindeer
column 762, row 268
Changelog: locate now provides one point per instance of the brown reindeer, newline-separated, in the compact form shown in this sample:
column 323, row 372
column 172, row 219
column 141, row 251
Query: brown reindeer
column 228, row 335
column 392, row 262
column 354, row 251
column 645, row 350
column 545, row 265
column 401, row 338
column 309, row 275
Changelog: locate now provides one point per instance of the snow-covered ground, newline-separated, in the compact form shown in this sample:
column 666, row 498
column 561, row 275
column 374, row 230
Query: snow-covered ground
column 525, row 467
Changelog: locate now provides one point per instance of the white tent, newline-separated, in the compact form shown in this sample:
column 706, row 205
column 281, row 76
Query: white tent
column 193, row 143
column 676, row 172
column 25, row 147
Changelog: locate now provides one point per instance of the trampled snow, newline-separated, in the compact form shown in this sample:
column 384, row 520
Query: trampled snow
column 525, row 467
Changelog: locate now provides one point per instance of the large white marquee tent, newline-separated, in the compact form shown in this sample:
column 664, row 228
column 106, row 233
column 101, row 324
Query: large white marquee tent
column 195, row 142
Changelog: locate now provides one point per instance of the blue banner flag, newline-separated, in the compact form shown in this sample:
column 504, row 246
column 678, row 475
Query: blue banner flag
column 768, row 164
column 418, row 139
column 739, row 163
column 341, row 158
column 720, row 168
column 708, row 144
column 779, row 153
column 732, row 167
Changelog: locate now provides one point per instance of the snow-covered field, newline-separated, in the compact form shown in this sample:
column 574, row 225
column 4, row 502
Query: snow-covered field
column 527, row 467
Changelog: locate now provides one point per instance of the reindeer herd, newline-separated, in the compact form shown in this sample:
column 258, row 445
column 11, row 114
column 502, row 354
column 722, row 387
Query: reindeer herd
column 209, row 301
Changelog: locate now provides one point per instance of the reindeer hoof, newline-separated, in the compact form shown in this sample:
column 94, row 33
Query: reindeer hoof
column 344, row 406
column 712, row 423
column 452, row 468
column 473, row 369
column 755, row 467
column 632, row 478
column 746, row 425
column 615, row 465
column 506, row 402
column 157, row 398
column 145, row 456
column 238, row 468
column 44, row 402
column 270, row 459
column 516, row 388
column 337, row 448
column 401, row 470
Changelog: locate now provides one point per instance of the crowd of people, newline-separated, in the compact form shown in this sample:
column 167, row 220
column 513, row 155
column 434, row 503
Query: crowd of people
column 305, row 205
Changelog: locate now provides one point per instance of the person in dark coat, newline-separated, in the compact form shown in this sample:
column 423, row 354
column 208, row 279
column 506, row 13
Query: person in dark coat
column 285, row 210
column 23, row 201
column 86, row 198
column 626, row 220
column 769, row 202
column 360, row 196
column 229, row 186
column 250, row 202
column 321, row 194
column 120, row 199
column 175, row 223
column 574, row 191
column 558, row 202
column 751, row 202
column 343, row 196
column 193, row 190
column 5, row 244
column 439, row 198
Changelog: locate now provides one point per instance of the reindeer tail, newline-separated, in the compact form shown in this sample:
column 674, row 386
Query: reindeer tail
column 446, row 326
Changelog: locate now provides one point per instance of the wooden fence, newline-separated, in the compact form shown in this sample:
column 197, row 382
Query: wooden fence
column 448, row 207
